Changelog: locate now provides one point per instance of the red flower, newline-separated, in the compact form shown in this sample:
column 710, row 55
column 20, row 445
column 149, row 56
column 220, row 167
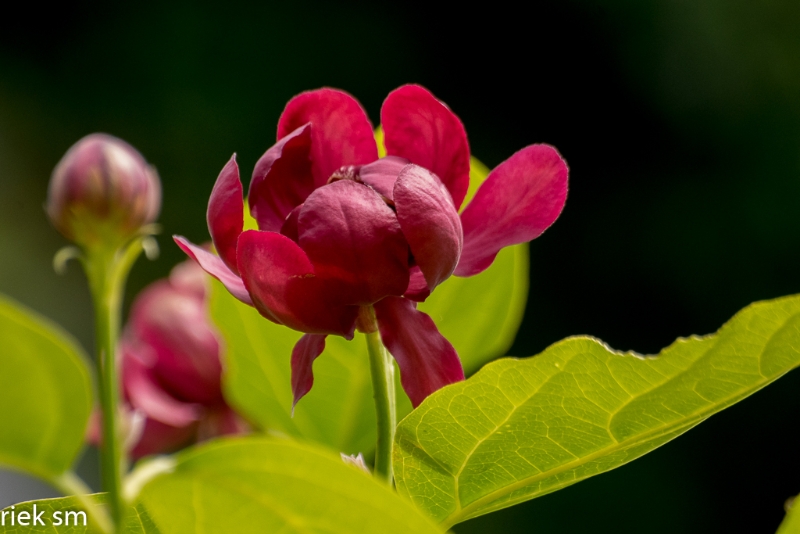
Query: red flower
column 171, row 368
column 340, row 228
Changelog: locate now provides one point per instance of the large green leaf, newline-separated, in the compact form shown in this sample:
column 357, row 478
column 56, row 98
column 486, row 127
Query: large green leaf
column 68, row 515
column 274, row 485
column 479, row 315
column 45, row 393
column 520, row 429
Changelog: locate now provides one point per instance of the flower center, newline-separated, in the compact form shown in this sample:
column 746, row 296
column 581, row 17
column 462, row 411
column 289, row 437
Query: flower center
column 353, row 173
column 348, row 172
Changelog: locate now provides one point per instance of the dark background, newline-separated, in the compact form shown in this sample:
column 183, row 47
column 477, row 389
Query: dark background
column 680, row 120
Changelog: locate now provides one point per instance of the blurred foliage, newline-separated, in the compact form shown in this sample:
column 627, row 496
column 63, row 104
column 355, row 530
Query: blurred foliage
column 680, row 121
column 45, row 391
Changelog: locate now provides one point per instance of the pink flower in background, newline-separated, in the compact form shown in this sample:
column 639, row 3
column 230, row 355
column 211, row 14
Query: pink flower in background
column 340, row 228
column 171, row 367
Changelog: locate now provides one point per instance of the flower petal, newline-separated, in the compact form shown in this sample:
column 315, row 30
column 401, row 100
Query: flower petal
column 175, row 326
column 340, row 130
column 382, row 174
column 519, row 200
column 430, row 223
column 282, row 179
column 289, row 228
column 304, row 353
column 426, row 359
column 285, row 289
column 353, row 238
column 225, row 213
column 160, row 438
column 222, row 421
column 417, row 289
column 216, row 268
column 145, row 394
column 419, row 127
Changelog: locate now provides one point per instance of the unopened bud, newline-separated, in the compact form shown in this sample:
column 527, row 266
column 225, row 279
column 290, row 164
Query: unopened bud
column 102, row 192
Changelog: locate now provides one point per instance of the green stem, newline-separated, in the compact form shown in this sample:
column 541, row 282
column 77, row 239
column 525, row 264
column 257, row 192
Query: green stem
column 382, row 371
column 107, row 271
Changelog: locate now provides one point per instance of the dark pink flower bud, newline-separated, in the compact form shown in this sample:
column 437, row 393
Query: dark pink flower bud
column 339, row 228
column 102, row 192
column 171, row 365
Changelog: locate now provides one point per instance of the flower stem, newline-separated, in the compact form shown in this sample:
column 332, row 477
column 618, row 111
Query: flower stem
column 107, row 271
column 382, row 371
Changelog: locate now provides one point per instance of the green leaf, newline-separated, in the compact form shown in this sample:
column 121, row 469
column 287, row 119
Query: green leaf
column 520, row 429
column 45, row 393
column 265, row 485
column 68, row 515
column 791, row 523
column 338, row 412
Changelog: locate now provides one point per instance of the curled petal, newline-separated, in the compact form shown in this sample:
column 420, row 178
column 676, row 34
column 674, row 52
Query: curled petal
column 519, row 200
column 417, row 289
column 282, row 179
column 285, row 289
column 426, row 359
column 145, row 394
column 225, row 213
column 304, row 353
column 422, row 129
column 353, row 239
column 382, row 174
column 430, row 223
column 216, row 268
column 340, row 130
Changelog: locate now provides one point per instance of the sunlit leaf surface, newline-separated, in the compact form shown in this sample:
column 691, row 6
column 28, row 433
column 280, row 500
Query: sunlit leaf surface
column 260, row 485
column 520, row 429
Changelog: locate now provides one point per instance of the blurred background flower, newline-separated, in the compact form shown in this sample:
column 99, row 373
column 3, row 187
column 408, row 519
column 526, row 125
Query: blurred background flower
column 172, row 368
column 172, row 365
column 680, row 121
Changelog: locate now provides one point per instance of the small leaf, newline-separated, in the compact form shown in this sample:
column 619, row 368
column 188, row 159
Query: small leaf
column 263, row 485
column 45, row 393
column 791, row 523
column 68, row 515
column 520, row 429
